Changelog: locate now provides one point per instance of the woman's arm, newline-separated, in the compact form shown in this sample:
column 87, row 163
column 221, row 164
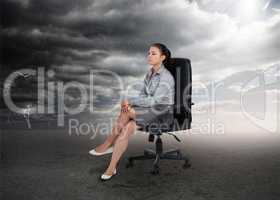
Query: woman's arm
column 164, row 94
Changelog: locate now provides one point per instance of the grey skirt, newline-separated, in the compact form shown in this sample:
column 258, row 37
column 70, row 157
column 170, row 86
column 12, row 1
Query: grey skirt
column 153, row 118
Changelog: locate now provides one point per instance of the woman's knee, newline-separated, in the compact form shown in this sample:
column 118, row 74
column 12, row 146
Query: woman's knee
column 124, row 118
column 132, row 113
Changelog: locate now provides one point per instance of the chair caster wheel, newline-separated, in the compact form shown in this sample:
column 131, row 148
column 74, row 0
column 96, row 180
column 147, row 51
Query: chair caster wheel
column 187, row 164
column 155, row 170
column 129, row 163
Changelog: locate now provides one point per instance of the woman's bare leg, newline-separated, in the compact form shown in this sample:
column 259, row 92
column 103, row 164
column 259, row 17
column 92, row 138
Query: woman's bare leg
column 120, row 146
column 121, row 121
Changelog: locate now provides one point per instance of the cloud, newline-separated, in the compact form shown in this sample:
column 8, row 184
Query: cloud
column 73, row 37
column 204, row 31
column 252, row 91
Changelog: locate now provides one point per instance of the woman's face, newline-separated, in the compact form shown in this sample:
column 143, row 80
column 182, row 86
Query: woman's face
column 154, row 56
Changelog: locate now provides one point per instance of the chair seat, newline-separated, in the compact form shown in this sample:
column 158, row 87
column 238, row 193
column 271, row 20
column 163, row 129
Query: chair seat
column 154, row 130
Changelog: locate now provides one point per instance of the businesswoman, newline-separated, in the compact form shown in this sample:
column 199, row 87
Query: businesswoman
column 158, row 89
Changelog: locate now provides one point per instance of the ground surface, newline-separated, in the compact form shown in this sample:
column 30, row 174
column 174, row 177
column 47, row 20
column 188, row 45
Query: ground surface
column 51, row 164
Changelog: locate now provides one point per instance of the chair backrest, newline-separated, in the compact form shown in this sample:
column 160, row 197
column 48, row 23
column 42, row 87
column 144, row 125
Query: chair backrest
column 181, row 70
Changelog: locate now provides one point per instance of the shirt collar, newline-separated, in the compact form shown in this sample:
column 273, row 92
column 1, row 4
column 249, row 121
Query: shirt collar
column 159, row 71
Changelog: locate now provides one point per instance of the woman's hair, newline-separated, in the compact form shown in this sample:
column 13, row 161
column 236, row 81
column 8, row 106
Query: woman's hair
column 164, row 51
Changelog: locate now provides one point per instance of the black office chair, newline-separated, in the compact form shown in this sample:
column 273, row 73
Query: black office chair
column 181, row 70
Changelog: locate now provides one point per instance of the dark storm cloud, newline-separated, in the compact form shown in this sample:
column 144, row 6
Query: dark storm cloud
column 36, row 34
column 38, row 12
column 45, row 33
column 115, row 35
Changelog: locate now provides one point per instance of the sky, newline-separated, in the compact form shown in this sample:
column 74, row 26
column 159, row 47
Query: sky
column 225, row 40
column 218, row 36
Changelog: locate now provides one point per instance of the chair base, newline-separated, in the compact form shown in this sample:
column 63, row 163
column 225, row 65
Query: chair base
column 151, row 154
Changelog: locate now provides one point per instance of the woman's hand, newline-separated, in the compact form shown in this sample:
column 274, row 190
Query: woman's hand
column 124, row 102
column 125, row 106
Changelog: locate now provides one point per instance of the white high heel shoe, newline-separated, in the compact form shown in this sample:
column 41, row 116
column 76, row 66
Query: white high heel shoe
column 105, row 177
column 95, row 153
